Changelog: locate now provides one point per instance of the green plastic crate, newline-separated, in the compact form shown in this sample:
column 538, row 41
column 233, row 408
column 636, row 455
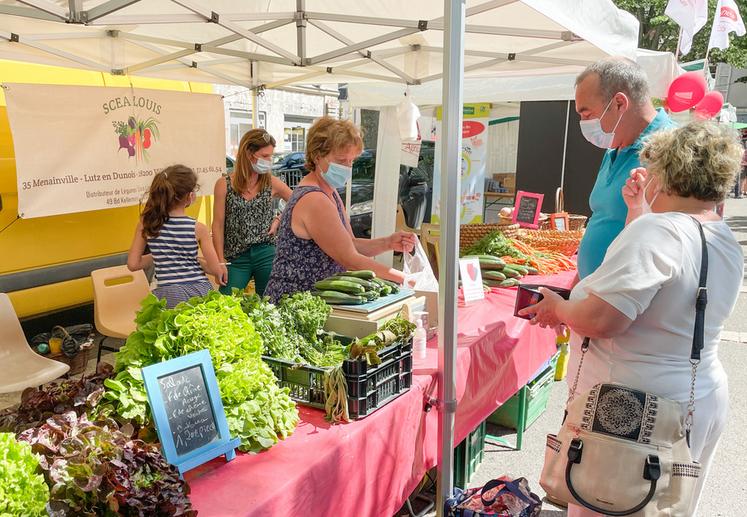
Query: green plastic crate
column 468, row 455
column 537, row 396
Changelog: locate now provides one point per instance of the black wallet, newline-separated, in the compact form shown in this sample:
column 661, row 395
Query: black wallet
column 528, row 295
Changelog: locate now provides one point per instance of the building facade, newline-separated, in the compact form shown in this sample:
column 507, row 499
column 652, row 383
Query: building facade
column 286, row 115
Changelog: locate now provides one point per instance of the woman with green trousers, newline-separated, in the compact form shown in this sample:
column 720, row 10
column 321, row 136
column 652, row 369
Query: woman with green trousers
column 244, row 218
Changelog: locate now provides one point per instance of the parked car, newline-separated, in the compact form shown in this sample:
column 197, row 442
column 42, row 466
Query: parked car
column 293, row 160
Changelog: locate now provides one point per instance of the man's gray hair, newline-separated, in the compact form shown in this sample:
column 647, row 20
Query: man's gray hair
column 619, row 74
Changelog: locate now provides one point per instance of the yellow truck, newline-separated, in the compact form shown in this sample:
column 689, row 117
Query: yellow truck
column 45, row 262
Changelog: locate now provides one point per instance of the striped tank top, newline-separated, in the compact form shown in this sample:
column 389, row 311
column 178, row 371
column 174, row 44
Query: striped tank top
column 175, row 252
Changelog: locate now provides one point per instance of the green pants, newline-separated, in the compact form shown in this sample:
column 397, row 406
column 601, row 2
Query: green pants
column 256, row 262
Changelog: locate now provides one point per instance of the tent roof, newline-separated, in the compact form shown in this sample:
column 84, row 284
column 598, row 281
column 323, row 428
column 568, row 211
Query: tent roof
column 540, row 85
column 280, row 42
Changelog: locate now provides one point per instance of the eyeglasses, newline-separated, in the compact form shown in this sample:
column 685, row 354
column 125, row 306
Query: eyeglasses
column 267, row 137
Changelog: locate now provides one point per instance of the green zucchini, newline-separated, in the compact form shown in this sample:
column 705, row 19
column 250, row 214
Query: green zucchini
column 491, row 263
column 364, row 274
column 367, row 285
column 494, row 275
column 395, row 287
column 510, row 282
column 492, row 283
column 371, row 295
column 510, row 272
column 340, row 286
column 521, row 269
column 531, row 270
column 337, row 298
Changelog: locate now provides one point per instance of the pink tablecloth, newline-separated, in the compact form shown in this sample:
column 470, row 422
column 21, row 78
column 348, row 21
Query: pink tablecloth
column 369, row 467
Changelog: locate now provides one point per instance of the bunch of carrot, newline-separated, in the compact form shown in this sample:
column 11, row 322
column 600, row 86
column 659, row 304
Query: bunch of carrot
column 545, row 262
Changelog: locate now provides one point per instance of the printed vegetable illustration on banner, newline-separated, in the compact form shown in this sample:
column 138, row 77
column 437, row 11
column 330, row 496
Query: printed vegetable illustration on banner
column 137, row 136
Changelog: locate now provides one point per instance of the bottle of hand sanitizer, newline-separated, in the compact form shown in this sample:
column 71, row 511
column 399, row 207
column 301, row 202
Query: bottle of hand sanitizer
column 419, row 340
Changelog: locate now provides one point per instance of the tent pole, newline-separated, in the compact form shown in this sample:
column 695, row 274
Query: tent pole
column 451, row 165
column 301, row 30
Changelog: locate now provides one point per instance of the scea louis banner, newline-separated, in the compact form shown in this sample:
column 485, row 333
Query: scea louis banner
column 81, row 148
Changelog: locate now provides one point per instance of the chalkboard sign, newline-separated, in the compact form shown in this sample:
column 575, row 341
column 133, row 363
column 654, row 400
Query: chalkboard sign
column 188, row 411
column 191, row 418
column 527, row 209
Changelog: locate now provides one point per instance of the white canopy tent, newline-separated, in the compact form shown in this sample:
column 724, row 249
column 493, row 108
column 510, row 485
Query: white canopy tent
column 275, row 43
column 280, row 42
column 536, row 85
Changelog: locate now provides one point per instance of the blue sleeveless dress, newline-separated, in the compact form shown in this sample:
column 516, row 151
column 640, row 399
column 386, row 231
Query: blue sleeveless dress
column 299, row 263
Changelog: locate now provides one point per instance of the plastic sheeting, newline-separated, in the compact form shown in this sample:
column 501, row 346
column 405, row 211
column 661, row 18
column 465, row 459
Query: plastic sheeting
column 369, row 467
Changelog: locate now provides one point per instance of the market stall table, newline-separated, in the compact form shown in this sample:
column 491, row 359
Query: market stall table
column 369, row 467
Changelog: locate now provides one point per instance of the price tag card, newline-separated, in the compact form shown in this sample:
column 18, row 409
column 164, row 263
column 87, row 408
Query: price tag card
column 469, row 267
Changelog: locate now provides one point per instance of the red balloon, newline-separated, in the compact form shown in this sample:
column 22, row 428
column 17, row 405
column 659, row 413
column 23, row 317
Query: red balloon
column 686, row 91
column 710, row 105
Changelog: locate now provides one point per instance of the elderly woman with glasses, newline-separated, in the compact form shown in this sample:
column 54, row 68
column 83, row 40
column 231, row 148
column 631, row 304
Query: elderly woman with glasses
column 244, row 218
column 638, row 308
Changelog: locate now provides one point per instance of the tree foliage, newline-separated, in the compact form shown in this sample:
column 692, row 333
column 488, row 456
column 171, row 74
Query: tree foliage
column 659, row 32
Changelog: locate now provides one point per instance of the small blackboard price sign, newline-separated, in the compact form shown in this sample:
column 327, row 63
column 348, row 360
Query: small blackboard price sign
column 527, row 209
column 188, row 412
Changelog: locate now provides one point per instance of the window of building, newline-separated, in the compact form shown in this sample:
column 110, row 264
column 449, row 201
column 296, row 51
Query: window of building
column 240, row 122
column 294, row 138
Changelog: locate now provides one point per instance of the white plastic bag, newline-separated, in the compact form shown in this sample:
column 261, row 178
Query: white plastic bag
column 418, row 272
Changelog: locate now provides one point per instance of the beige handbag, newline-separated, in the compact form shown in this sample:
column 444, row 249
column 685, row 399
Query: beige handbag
column 622, row 451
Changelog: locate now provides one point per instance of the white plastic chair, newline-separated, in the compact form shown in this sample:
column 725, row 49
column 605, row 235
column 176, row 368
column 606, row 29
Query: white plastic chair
column 20, row 366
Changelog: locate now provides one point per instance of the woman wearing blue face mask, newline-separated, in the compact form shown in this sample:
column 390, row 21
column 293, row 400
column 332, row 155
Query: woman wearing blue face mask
column 315, row 240
column 244, row 220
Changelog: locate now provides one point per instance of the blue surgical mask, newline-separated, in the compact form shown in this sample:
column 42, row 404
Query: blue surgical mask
column 262, row 166
column 337, row 175
column 593, row 132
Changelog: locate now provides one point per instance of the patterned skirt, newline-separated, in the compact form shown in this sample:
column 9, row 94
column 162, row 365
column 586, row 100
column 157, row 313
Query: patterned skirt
column 177, row 293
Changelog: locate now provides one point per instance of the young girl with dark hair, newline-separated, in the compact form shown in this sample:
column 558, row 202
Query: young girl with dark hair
column 173, row 238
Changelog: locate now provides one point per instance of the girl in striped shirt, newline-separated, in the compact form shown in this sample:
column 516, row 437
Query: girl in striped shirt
column 173, row 237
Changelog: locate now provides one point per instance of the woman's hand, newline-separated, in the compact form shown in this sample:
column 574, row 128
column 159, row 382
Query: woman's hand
column 633, row 191
column 222, row 277
column 402, row 241
column 545, row 312
column 274, row 226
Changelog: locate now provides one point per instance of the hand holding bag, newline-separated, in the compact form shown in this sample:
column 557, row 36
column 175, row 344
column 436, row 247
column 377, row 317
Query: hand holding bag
column 622, row 451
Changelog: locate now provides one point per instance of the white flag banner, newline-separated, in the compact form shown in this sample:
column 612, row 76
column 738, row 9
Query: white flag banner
column 81, row 148
column 727, row 20
column 691, row 16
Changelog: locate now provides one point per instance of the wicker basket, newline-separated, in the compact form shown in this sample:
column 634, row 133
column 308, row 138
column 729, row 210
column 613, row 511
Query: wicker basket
column 79, row 361
column 553, row 240
column 576, row 222
column 471, row 233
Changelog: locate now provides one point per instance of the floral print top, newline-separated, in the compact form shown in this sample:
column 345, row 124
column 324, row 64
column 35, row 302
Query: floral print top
column 299, row 263
column 247, row 222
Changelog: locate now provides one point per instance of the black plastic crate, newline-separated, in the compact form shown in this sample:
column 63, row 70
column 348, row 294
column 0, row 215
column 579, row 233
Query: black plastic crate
column 369, row 387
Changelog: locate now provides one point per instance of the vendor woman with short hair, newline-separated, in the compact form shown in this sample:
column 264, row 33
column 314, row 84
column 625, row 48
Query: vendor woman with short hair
column 315, row 240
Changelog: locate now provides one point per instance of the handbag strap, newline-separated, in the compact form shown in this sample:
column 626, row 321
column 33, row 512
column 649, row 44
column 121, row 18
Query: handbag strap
column 512, row 487
column 701, row 301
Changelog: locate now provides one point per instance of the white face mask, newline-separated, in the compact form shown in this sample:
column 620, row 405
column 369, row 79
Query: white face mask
column 593, row 132
column 646, row 205
column 262, row 166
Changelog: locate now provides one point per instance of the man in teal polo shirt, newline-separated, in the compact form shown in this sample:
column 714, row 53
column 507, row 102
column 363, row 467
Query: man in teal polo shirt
column 613, row 100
